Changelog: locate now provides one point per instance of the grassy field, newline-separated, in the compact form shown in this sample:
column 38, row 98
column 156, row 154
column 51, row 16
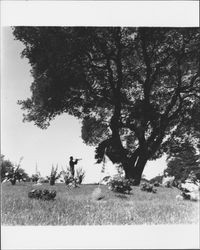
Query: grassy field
column 76, row 207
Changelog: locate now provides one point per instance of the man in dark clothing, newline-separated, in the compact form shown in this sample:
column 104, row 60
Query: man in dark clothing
column 71, row 164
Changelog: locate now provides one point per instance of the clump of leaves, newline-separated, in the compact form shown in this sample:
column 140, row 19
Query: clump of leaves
column 54, row 175
column 44, row 194
column 148, row 187
column 120, row 185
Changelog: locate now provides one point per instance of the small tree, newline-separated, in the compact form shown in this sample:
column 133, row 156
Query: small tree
column 5, row 167
column 15, row 173
column 54, row 175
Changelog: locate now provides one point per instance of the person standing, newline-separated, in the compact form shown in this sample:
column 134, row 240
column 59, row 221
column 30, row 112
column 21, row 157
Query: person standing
column 72, row 164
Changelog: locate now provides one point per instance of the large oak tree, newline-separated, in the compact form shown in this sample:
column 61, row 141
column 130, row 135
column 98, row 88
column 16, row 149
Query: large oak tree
column 133, row 88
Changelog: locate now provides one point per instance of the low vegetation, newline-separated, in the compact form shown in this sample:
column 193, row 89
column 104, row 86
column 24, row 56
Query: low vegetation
column 54, row 175
column 12, row 172
column 120, row 185
column 43, row 194
column 76, row 206
column 148, row 188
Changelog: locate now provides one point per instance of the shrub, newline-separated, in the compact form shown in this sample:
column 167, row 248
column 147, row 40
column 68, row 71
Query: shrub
column 35, row 177
column 105, row 180
column 156, row 184
column 158, row 179
column 42, row 194
column 80, row 175
column 148, row 187
column 69, row 179
column 120, row 185
column 44, row 180
column 54, row 175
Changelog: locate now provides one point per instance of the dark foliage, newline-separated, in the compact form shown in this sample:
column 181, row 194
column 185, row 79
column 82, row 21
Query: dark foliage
column 11, row 172
column 157, row 179
column 42, row 194
column 120, row 185
column 148, row 187
column 184, row 159
column 35, row 177
column 156, row 184
column 186, row 195
column 6, row 167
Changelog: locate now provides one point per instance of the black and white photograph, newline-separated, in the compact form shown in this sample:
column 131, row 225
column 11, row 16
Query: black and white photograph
column 100, row 126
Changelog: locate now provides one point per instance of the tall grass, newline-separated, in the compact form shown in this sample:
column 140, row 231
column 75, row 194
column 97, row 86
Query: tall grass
column 76, row 207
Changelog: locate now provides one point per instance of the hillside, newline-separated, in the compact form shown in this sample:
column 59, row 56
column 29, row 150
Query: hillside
column 77, row 207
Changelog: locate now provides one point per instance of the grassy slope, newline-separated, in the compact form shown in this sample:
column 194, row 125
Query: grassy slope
column 76, row 207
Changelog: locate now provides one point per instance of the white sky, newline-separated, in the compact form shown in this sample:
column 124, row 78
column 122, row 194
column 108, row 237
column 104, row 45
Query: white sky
column 45, row 147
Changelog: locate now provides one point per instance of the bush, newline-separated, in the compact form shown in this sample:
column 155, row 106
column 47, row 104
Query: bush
column 156, row 184
column 120, row 185
column 80, row 175
column 42, row 194
column 157, row 179
column 69, row 179
column 35, row 177
column 54, row 175
column 148, row 187
column 43, row 180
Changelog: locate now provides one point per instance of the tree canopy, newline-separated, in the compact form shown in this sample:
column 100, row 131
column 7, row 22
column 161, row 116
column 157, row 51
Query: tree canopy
column 133, row 88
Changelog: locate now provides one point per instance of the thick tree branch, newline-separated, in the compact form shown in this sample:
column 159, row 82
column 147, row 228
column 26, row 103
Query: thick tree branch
column 177, row 90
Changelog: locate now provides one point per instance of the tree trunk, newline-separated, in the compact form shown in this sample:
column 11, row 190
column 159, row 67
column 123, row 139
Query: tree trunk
column 13, row 181
column 134, row 170
column 52, row 181
column 129, row 170
column 138, row 169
